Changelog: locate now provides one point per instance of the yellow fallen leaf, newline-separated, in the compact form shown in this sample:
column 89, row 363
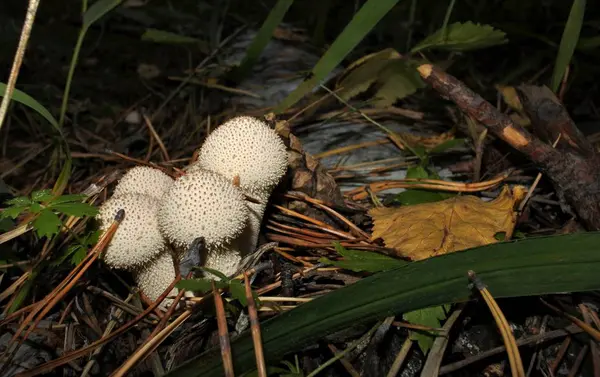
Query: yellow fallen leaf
column 424, row 230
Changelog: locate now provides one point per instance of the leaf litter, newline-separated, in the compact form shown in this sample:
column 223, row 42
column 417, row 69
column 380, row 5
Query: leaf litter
column 427, row 223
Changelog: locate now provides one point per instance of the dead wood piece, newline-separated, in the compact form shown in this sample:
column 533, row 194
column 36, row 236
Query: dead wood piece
column 575, row 175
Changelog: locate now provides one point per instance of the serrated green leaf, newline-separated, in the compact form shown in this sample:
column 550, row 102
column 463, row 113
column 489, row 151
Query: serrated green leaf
column 13, row 212
column 358, row 260
column 35, row 208
column 568, row 42
column 47, row 223
column 462, row 37
column 541, row 264
column 360, row 78
column 411, row 197
column 41, row 195
column 78, row 256
column 448, row 144
column 68, row 198
column 98, row 10
column 396, row 81
column 67, row 253
column 430, row 317
column 238, row 292
column 76, row 209
column 19, row 201
column 5, row 223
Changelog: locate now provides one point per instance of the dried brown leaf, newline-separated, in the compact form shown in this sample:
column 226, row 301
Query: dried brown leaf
column 425, row 230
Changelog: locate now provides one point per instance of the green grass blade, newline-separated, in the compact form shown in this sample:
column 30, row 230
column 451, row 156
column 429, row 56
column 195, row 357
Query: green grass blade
column 28, row 101
column 565, row 263
column 98, row 10
column 262, row 38
column 568, row 43
column 361, row 24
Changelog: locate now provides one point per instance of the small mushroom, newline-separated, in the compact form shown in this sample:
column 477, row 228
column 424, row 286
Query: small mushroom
column 202, row 204
column 247, row 149
column 144, row 180
column 138, row 238
column 155, row 276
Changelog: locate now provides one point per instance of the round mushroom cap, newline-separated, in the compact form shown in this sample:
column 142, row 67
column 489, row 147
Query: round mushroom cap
column 138, row 237
column 246, row 147
column 223, row 258
column 144, row 180
column 155, row 277
column 202, row 204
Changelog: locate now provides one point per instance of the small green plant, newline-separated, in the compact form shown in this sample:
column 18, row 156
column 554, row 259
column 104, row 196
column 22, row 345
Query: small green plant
column 235, row 287
column 45, row 209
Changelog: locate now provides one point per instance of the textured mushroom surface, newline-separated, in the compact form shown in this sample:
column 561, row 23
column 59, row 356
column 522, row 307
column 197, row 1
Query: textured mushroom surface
column 156, row 276
column 144, row 180
column 202, row 204
column 246, row 147
column 224, row 258
column 138, row 237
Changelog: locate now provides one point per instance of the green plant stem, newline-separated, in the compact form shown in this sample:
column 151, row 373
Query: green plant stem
column 348, row 349
column 74, row 59
column 447, row 16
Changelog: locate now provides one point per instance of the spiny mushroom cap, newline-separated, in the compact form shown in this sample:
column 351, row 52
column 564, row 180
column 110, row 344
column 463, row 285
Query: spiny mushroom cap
column 246, row 147
column 144, row 180
column 202, row 204
column 155, row 277
column 138, row 237
column 224, row 258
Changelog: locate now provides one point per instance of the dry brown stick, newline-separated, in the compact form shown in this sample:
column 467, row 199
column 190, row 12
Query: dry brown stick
column 53, row 364
column 570, row 330
column 576, row 176
column 223, row 333
column 46, row 304
column 562, row 351
column 585, row 311
column 584, row 326
column 255, row 329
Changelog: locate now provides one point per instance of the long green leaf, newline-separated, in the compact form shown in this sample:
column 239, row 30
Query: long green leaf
column 98, row 10
column 30, row 102
column 361, row 24
column 262, row 38
column 568, row 43
column 566, row 263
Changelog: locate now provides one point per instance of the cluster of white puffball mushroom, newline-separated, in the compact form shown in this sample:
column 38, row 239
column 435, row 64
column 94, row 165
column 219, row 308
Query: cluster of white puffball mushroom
column 243, row 158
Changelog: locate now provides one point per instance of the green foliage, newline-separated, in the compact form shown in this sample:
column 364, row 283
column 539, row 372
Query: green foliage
column 388, row 76
column 262, row 38
column 167, row 37
column 235, row 287
column 358, row 260
column 430, row 317
column 77, row 251
column 361, row 24
column 45, row 206
column 30, row 102
column 568, row 42
column 541, row 264
column 462, row 37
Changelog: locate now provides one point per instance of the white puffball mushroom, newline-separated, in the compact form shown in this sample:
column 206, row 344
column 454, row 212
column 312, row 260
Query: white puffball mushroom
column 155, row 277
column 144, row 180
column 246, row 147
column 138, row 237
column 225, row 258
column 202, row 204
